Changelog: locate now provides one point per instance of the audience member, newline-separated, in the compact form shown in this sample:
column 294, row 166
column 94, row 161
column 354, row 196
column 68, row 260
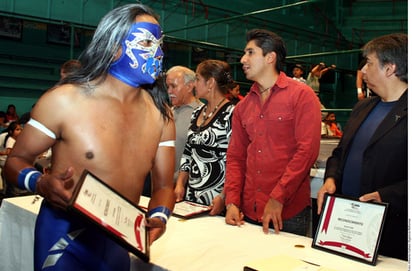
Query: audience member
column 315, row 74
column 330, row 128
column 298, row 72
column 180, row 83
column 203, row 164
column 234, row 95
column 3, row 121
column 120, row 148
column 25, row 117
column 275, row 141
column 11, row 114
column 13, row 131
column 69, row 67
column 371, row 161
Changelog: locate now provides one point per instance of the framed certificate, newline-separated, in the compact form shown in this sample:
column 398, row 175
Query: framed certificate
column 350, row 228
column 118, row 217
column 187, row 209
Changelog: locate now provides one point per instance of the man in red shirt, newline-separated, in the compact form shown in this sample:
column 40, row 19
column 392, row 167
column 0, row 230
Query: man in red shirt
column 275, row 141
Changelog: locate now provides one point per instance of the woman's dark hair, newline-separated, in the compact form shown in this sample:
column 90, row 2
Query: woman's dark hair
column 10, row 106
column 10, row 129
column 219, row 70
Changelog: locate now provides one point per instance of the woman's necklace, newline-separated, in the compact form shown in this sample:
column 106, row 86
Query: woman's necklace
column 206, row 117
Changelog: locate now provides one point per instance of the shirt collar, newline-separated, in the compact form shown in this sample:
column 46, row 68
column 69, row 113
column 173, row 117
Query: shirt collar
column 281, row 82
column 195, row 104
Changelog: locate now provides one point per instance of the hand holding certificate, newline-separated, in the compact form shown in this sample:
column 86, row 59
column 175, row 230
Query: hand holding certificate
column 350, row 227
column 121, row 219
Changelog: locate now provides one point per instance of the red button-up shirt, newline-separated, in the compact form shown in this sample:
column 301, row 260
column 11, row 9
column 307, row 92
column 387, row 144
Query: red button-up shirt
column 272, row 148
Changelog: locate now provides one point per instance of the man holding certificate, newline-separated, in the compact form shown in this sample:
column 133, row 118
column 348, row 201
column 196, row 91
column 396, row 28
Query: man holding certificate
column 371, row 161
column 103, row 120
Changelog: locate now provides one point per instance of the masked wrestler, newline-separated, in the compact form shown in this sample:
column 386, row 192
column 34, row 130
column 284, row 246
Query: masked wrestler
column 135, row 136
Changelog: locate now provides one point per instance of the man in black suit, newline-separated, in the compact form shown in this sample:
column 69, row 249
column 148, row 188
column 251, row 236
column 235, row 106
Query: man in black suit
column 371, row 160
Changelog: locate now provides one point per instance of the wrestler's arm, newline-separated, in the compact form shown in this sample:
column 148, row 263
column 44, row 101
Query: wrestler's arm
column 162, row 183
column 34, row 140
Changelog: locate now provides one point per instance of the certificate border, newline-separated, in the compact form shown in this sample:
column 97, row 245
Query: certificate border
column 191, row 215
column 375, row 253
column 144, row 256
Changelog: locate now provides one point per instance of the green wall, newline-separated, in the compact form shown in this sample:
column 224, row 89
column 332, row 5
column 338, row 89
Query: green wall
column 50, row 32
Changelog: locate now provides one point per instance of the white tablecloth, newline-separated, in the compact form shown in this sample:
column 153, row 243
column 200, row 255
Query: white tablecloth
column 17, row 220
column 200, row 244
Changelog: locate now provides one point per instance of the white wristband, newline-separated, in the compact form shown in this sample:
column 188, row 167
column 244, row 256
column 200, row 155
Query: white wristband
column 359, row 91
column 160, row 215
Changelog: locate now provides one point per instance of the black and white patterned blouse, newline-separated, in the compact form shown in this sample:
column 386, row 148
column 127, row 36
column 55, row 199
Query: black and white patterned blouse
column 204, row 156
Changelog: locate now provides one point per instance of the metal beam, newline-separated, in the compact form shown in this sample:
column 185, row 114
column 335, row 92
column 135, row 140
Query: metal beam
column 242, row 15
column 325, row 54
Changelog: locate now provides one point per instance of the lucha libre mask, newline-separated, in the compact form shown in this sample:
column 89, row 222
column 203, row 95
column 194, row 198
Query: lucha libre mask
column 141, row 59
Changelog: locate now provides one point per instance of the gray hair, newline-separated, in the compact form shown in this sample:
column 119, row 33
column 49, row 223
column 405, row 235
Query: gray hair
column 188, row 74
column 391, row 48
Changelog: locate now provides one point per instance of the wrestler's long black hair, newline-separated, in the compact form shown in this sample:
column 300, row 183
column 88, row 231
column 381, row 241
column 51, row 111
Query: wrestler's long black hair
column 158, row 91
column 97, row 57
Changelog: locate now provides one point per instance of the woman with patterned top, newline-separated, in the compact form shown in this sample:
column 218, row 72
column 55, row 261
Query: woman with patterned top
column 203, row 163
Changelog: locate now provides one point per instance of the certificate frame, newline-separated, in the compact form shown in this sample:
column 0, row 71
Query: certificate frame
column 345, row 229
column 119, row 218
column 187, row 209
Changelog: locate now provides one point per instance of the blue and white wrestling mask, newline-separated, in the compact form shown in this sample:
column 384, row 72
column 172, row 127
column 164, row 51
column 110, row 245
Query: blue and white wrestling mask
column 141, row 59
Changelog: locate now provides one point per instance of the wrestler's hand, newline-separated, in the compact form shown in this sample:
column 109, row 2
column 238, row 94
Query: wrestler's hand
column 234, row 216
column 56, row 188
column 217, row 206
column 328, row 187
column 272, row 212
column 156, row 228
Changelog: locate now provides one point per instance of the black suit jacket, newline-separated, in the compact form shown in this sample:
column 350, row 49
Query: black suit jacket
column 384, row 168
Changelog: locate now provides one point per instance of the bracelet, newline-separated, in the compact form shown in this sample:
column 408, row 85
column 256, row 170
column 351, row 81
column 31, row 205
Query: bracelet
column 161, row 212
column 28, row 178
column 359, row 91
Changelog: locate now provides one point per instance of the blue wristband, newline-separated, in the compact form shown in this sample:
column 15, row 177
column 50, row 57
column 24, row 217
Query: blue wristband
column 28, row 178
column 161, row 212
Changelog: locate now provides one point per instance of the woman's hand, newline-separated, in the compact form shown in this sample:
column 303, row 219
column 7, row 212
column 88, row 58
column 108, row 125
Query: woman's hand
column 217, row 206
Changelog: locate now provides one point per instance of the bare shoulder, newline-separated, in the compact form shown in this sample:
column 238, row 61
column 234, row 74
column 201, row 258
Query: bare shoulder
column 56, row 104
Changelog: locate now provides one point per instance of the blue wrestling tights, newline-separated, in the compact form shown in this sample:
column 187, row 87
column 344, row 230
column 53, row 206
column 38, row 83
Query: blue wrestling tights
column 65, row 242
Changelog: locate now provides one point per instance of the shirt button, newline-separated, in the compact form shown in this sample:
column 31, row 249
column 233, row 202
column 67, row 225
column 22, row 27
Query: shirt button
column 258, row 172
column 259, row 151
column 279, row 118
column 261, row 116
